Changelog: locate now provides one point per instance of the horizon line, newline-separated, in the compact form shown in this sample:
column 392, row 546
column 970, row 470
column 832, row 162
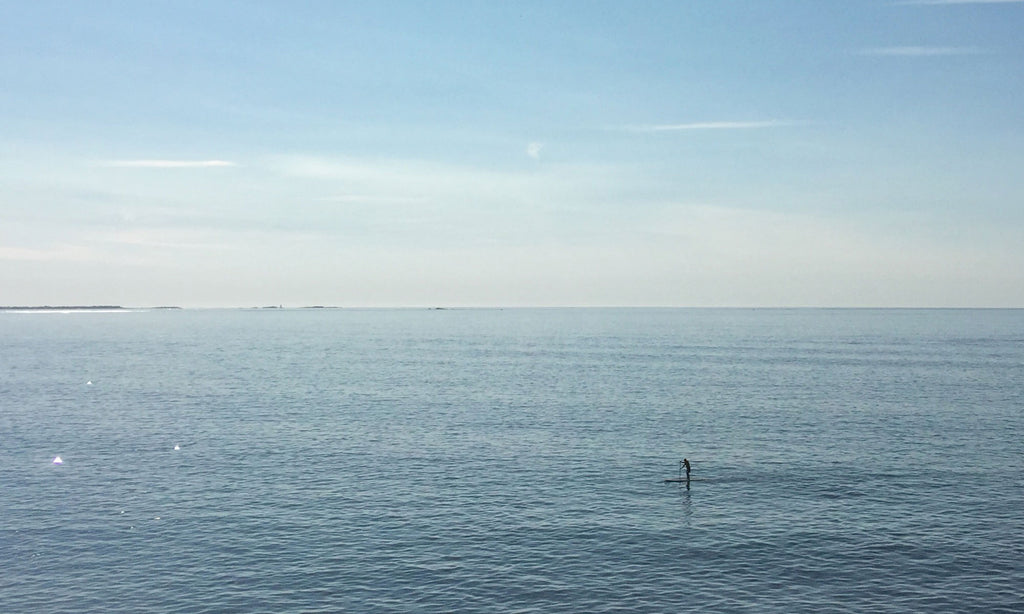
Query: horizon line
column 282, row 307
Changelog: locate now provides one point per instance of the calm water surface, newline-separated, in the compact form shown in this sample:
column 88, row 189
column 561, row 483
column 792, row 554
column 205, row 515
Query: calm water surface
column 512, row 461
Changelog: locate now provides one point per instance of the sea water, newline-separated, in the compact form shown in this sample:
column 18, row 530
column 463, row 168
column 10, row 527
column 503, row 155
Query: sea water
column 512, row 461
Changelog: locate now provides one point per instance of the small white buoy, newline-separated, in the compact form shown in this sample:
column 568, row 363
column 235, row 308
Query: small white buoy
column 176, row 447
column 58, row 461
column 88, row 383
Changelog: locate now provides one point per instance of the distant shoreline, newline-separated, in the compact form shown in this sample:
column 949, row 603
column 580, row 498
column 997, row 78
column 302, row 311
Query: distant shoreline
column 58, row 307
column 84, row 308
column 71, row 308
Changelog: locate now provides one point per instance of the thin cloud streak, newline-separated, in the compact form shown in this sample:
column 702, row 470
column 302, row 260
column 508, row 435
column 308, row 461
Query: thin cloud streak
column 371, row 199
column 58, row 253
column 170, row 163
column 721, row 125
column 920, row 51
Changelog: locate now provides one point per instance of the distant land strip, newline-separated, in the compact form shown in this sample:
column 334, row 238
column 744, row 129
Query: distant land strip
column 59, row 307
column 71, row 307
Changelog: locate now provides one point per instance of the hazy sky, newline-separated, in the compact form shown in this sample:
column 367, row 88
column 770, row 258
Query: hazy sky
column 692, row 153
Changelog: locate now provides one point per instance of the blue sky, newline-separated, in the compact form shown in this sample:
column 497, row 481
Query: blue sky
column 711, row 153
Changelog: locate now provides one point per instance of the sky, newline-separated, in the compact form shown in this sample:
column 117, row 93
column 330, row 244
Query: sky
column 734, row 153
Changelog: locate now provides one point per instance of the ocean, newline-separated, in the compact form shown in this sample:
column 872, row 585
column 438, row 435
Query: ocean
column 489, row 460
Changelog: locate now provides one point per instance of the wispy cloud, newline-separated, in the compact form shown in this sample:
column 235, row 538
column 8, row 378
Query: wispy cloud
column 533, row 150
column 163, row 238
column 371, row 199
column 717, row 125
column 422, row 183
column 920, row 51
column 43, row 254
column 169, row 163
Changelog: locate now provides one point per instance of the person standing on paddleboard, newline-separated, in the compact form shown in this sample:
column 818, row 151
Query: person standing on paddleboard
column 686, row 465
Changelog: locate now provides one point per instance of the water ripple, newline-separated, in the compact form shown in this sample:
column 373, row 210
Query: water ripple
column 496, row 462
